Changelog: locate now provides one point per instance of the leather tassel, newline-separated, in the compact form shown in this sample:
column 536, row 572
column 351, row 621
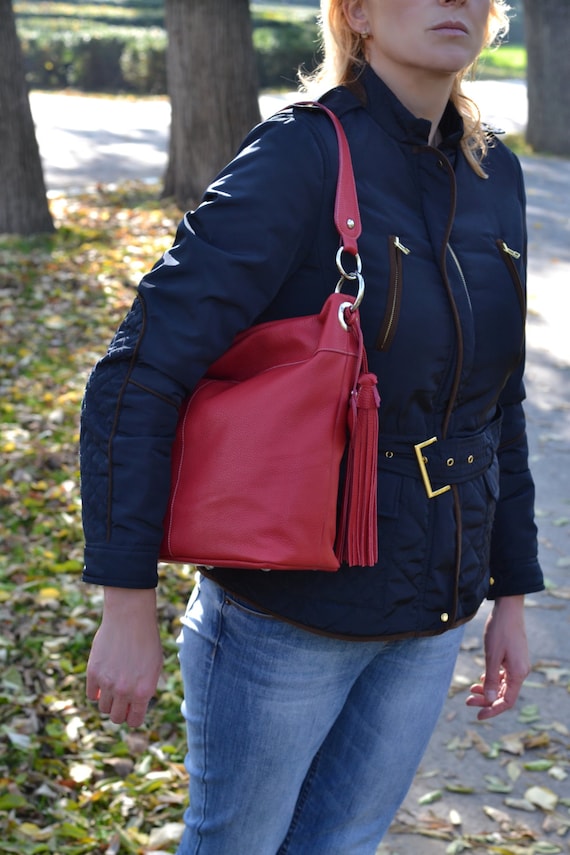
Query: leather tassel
column 357, row 540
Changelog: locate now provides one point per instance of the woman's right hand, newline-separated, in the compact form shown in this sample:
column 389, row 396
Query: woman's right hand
column 126, row 656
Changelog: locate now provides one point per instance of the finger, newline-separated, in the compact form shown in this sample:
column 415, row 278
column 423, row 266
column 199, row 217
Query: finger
column 507, row 699
column 493, row 684
column 136, row 714
column 497, row 708
column 92, row 689
column 474, row 700
column 119, row 710
column 105, row 701
column 476, row 689
column 512, row 686
column 476, row 697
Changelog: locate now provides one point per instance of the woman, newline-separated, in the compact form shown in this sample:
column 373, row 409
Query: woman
column 310, row 697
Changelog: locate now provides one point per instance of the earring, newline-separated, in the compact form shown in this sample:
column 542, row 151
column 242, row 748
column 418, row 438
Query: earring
column 365, row 35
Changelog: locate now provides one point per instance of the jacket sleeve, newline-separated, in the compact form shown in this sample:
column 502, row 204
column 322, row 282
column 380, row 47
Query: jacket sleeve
column 230, row 257
column 514, row 561
column 514, row 545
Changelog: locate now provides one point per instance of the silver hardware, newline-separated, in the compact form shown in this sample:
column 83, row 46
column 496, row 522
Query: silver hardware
column 509, row 251
column 341, row 310
column 358, row 299
column 399, row 245
column 340, row 267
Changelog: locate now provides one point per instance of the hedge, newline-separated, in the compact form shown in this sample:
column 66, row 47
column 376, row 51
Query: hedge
column 133, row 60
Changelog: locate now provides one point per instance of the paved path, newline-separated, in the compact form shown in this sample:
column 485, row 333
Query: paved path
column 86, row 140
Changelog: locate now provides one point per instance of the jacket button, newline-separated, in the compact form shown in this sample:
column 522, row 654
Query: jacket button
column 491, row 581
column 444, row 617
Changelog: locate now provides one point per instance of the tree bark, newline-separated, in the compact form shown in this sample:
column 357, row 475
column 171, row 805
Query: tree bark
column 212, row 83
column 547, row 27
column 23, row 204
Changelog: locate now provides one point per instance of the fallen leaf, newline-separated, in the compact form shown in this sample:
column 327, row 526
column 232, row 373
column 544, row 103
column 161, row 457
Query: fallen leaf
column 496, row 785
column 496, row 815
column 455, row 817
column 512, row 744
column 430, row 798
column 168, row 834
column 520, row 804
column 538, row 765
column 542, row 797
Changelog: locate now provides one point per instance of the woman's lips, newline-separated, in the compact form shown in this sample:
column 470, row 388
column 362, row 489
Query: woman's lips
column 451, row 28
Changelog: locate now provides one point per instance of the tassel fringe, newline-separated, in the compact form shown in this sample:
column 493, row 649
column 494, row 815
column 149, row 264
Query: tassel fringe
column 357, row 540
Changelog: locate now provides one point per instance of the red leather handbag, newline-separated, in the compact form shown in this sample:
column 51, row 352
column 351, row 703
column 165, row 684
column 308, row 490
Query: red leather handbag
column 257, row 456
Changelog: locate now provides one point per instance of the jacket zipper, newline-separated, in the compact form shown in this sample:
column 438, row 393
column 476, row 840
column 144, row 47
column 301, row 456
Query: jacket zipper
column 462, row 275
column 389, row 324
column 445, row 164
column 510, row 255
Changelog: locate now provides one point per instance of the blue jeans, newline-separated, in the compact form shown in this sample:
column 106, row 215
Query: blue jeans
column 299, row 744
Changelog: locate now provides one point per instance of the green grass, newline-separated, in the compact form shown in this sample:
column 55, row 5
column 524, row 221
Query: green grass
column 505, row 63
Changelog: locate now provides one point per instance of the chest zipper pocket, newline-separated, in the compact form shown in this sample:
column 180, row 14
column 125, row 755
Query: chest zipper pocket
column 396, row 250
column 509, row 257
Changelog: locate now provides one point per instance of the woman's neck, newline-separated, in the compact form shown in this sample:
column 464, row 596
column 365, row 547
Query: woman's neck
column 425, row 96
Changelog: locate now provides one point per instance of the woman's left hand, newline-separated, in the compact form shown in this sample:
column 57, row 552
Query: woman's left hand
column 507, row 662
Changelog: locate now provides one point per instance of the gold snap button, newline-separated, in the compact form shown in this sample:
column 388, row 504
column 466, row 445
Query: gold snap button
column 491, row 581
column 389, row 454
column 450, row 461
column 444, row 617
column 470, row 459
column 350, row 223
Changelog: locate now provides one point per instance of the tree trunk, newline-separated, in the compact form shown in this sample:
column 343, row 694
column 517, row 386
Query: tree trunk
column 23, row 205
column 212, row 83
column 547, row 27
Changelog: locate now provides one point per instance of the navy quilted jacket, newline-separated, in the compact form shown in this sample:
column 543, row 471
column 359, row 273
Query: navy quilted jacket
column 443, row 255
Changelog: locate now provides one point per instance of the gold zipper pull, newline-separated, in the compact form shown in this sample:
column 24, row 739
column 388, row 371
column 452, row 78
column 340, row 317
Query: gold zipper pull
column 509, row 251
column 399, row 245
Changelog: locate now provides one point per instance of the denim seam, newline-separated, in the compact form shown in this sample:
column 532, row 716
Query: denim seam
column 301, row 802
column 205, row 728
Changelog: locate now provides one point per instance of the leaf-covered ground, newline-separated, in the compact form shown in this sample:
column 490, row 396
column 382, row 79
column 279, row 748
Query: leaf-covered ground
column 72, row 783
column 69, row 784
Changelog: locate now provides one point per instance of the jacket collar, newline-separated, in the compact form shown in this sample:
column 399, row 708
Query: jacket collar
column 374, row 95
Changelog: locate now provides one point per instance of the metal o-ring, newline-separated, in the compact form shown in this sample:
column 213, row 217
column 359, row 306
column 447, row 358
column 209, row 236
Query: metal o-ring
column 340, row 267
column 358, row 299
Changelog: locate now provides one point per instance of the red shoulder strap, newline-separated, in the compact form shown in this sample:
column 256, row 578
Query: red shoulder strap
column 346, row 212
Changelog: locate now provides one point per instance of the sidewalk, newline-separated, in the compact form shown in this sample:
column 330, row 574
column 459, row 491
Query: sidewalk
column 88, row 139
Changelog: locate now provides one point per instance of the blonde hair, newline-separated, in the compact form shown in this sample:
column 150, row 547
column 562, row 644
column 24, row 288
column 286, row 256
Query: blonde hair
column 344, row 59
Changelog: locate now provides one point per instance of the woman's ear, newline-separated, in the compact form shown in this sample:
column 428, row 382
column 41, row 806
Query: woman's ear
column 356, row 15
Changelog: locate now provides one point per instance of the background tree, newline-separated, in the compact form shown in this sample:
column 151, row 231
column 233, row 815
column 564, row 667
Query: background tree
column 212, row 83
column 547, row 27
column 23, row 203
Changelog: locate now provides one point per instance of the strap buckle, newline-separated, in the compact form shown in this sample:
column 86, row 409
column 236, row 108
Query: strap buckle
column 418, row 448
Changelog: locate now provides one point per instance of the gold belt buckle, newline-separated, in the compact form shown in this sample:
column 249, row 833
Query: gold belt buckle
column 418, row 448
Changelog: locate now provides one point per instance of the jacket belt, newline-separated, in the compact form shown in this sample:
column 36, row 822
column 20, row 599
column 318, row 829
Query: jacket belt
column 440, row 463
